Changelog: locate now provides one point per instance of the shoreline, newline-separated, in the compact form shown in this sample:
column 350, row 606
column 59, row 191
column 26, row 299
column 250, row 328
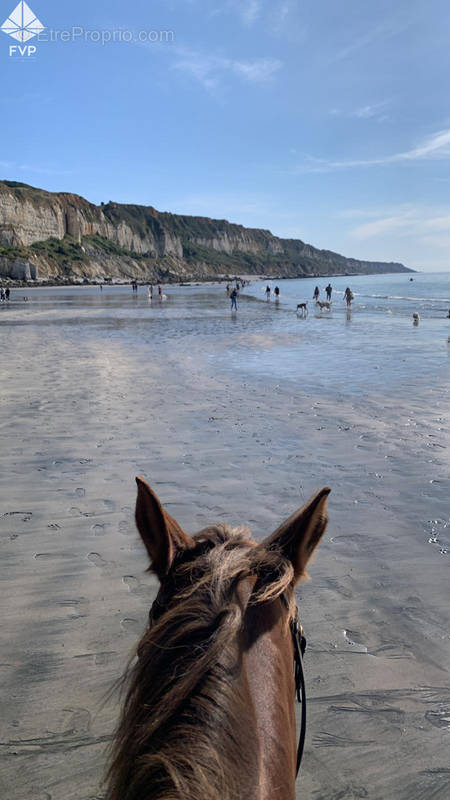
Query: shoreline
column 216, row 281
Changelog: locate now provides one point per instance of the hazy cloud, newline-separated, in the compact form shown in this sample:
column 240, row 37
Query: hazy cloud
column 370, row 111
column 250, row 10
column 422, row 223
column 435, row 146
column 209, row 70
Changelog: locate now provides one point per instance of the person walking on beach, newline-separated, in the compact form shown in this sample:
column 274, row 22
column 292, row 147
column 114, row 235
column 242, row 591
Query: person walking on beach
column 316, row 293
column 2, row 295
column 234, row 296
column 276, row 292
column 160, row 292
column 7, row 292
column 150, row 292
column 228, row 289
column 348, row 296
column 328, row 290
column 267, row 292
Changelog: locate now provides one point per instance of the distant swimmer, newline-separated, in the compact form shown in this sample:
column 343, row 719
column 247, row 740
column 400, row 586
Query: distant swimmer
column 348, row 296
column 316, row 293
column 234, row 296
column 268, row 290
column 329, row 290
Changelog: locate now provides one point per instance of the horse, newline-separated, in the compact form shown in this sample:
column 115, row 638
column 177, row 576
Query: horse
column 209, row 711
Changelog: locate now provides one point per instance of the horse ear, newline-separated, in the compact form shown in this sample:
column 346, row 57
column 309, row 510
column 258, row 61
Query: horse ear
column 299, row 536
column 161, row 534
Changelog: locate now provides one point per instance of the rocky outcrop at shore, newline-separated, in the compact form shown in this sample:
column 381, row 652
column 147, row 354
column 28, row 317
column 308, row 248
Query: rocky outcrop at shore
column 62, row 236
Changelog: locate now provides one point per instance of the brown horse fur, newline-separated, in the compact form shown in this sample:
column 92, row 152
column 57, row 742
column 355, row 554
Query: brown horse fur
column 209, row 713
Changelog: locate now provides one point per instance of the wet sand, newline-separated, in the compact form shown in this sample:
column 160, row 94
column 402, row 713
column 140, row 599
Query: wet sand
column 88, row 405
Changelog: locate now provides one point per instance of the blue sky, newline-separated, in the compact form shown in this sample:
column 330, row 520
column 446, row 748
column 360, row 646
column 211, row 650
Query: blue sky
column 324, row 121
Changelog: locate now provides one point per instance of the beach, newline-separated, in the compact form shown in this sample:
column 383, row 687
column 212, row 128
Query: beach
column 238, row 419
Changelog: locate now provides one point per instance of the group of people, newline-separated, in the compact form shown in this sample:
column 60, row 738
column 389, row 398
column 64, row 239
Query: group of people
column 151, row 291
column 348, row 294
column 276, row 292
column 4, row 294
column 329, row 292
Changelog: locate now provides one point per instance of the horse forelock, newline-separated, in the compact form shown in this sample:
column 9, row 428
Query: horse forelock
column 183, row 726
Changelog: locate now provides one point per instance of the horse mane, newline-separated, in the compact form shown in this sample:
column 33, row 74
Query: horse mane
column 182, row 729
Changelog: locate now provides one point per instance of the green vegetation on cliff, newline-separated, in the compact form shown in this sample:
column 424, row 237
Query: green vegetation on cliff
column 64, row 235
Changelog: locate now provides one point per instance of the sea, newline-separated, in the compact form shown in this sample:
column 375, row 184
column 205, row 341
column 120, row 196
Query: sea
column 377, row 345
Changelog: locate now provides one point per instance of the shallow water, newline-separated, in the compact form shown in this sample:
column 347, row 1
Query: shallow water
column 374, row 345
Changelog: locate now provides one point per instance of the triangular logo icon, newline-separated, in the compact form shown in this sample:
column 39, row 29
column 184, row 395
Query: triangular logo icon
column 22, row 24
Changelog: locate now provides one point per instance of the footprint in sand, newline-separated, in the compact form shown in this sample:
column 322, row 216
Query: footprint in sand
column 98, row 529
column 125, row 528
column 80, row 492
column 96, row 559
column 131, row 582
column 78, row 720
column 128, row 624
column 101, row 659
column 351, row 638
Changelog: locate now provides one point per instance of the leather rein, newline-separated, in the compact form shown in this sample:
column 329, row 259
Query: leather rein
column 299, row 642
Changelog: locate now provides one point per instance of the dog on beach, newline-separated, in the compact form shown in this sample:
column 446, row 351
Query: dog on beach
column 324, row 304
column 302, row 308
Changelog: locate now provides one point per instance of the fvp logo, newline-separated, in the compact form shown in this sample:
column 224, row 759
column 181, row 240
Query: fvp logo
column 22, row 24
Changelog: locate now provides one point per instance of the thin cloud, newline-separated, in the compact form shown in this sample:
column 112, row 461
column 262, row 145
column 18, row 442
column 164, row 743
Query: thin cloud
column 209, row 70
column 417, row 221
column 385, row 31
column 250, row 11
column 370, row 111
column 435, row 146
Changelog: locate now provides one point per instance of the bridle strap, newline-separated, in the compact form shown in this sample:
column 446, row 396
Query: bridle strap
column 299, row 642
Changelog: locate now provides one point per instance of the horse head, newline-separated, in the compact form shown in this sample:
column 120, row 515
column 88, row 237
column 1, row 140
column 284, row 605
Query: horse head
column 209, row 711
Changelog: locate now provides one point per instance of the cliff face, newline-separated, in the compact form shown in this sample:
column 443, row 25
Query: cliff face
column 63, row 236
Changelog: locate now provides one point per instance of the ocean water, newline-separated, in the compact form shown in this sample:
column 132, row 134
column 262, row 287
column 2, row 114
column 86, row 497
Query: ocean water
column 375, row 344
column 374, row 347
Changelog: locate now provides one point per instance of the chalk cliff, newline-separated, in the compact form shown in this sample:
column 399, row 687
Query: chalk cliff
column 62, row 236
